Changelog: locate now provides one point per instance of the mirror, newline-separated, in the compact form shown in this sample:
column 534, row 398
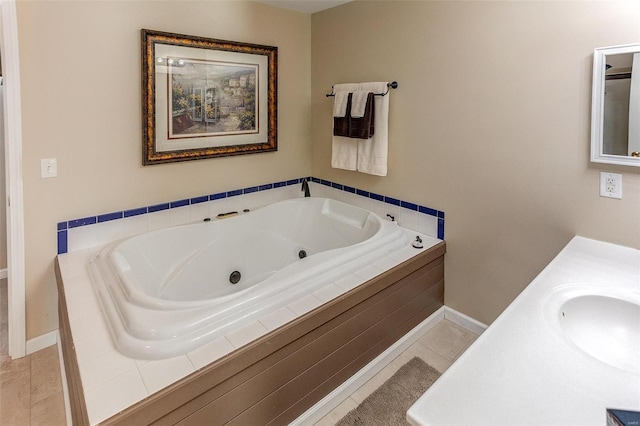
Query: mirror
column 615, row 113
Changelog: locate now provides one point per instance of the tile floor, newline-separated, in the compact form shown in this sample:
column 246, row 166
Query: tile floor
column 439, row 347
column 31, row 389
column 4, row 337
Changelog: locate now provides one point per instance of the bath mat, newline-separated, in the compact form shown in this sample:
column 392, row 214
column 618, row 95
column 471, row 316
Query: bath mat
column 388, row 404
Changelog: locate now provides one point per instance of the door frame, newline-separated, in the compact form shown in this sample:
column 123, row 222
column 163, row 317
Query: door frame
column 13, row 174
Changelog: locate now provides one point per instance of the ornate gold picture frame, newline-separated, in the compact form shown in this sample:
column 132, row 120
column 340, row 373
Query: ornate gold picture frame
column 205, row 98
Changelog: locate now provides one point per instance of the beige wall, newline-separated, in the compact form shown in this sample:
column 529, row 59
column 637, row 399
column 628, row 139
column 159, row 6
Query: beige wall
column 490, row 124
column 81, row 97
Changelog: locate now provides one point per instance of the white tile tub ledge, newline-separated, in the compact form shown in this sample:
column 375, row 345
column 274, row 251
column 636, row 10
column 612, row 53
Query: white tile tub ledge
column 527, row 368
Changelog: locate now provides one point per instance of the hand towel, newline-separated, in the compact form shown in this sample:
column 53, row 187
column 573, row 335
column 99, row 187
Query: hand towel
column 341, row 125
column 363, row 127
column 340, row 103
column 372, row 153
column 344, row 150
column 359, row 100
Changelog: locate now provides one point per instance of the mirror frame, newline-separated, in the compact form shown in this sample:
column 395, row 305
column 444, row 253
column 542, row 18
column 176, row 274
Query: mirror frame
column 597, row 106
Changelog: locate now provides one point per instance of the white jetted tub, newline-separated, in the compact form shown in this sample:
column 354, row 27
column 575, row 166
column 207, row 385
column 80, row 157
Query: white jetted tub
column 167, row 292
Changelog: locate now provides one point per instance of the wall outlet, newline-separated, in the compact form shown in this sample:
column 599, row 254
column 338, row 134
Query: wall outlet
column 48, row 168
column 611, row 185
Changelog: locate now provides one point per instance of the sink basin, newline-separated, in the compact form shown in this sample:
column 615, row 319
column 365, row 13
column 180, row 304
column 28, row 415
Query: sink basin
column 604, row 326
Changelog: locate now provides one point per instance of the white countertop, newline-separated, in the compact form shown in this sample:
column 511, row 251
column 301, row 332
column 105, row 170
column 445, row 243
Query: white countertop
column 521, row 371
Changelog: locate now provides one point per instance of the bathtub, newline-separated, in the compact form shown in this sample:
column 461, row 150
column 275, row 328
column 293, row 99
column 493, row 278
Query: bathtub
column 168, row 292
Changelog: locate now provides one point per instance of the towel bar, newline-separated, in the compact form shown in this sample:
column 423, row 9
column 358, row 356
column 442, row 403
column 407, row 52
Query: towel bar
column 392, row 85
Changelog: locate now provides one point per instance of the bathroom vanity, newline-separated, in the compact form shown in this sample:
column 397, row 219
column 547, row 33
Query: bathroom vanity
column 566, row 350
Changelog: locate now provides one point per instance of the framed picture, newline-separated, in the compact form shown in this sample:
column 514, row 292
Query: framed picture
column 206, row 98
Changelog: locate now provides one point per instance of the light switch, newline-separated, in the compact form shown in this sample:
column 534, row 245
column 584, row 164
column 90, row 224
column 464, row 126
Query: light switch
column 48, row 168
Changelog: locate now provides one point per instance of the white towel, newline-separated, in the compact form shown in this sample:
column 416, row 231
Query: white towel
column 372, row 153
column 340, row 103
column 359, row 103
column 344, row 151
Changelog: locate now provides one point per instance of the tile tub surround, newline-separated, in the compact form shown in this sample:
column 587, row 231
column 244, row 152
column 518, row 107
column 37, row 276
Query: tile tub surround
column 92, row 231
column 106, row 375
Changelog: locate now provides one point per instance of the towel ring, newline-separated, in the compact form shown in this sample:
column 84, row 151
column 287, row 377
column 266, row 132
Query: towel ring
column 392, row 85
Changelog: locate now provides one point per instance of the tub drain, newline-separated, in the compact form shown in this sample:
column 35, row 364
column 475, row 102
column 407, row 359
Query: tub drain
column 302, row 254
column 234, row 278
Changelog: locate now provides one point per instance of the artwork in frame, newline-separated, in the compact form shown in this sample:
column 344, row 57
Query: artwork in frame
column 206, row 98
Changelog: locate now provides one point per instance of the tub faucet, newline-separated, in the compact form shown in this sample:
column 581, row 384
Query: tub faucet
column 305, row 188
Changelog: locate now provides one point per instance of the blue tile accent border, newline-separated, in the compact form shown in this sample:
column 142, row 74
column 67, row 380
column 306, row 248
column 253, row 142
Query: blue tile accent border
column 198, row 200
column 82, row 222
column 158, row 207
column 393, row 201
column 110, row 216
column 135, row 212
column 62, row 242
column 179, row 203
column 63, row 227
column 377, row 197
column 427, row 210
column 408, row 205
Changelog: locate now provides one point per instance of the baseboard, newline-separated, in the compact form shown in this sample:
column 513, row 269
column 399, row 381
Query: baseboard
column 41, row 342
column 65, row 386
column 3, row 273
column 464, row 321
column 331, row 401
